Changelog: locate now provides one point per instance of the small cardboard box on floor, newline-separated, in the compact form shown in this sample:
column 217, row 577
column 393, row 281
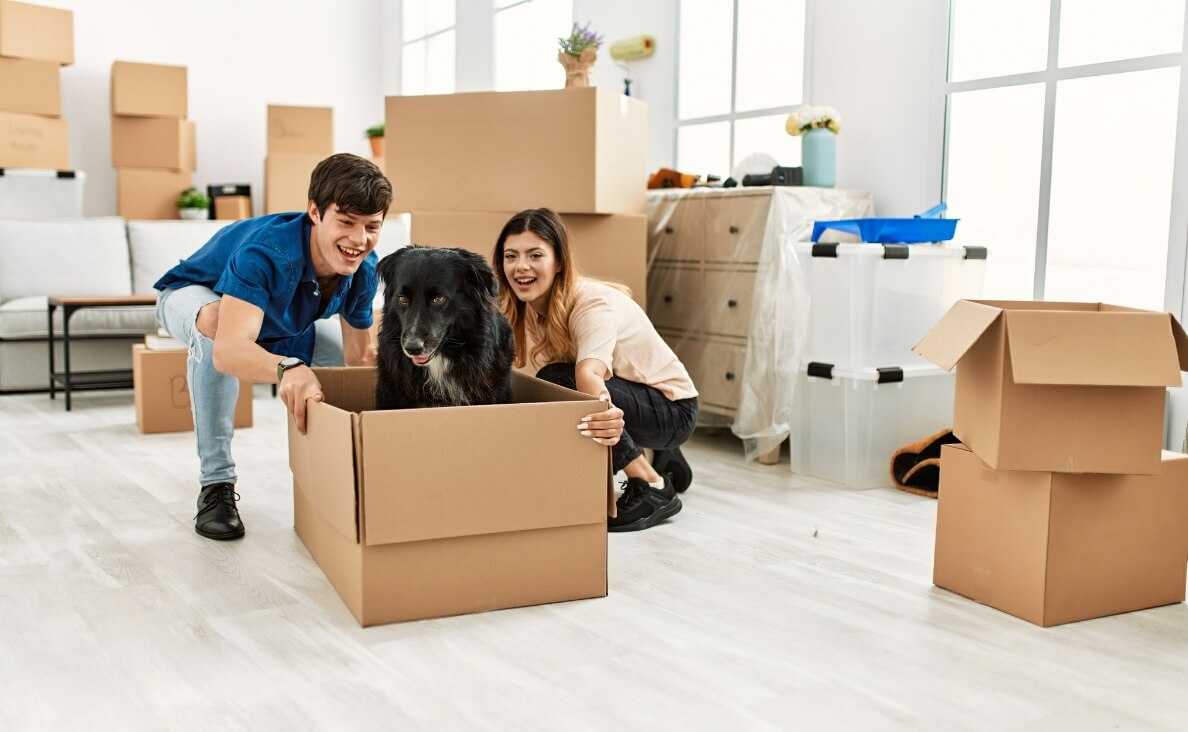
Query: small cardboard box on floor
column 425, row 513
column 1061, row 387
column 162, row 398
column 1056, row 548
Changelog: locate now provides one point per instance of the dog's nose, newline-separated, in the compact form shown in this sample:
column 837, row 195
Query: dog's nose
column 414, row 346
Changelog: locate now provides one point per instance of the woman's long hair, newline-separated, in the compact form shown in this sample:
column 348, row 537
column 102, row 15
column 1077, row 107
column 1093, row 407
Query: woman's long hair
column 556, row 341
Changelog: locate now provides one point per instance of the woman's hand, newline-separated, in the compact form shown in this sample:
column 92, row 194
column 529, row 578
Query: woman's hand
column 605, row 427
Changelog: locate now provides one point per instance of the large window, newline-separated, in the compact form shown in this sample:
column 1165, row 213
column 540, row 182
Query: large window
column 740, row 72
column 526, row 33
column 427, row 61
column 1061, row 142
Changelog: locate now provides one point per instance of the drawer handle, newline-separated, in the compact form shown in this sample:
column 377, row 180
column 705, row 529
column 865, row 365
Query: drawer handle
column 733, row 229
column 668, row 298
column 668, row 230
column 732, row 303
column 730, row 376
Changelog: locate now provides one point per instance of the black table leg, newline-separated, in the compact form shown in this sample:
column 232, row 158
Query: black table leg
column 52, row 384
column 66, row 313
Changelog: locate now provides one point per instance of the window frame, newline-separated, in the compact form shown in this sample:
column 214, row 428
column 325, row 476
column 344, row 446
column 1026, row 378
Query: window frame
column 1176, row 268
column 732, row 116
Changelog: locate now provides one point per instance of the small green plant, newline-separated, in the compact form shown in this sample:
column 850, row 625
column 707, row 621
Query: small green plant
column 376, row 130
column 580, row 38
column 193, row 198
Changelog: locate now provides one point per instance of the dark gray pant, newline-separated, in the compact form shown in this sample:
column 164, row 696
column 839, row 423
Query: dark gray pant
column 651, row 419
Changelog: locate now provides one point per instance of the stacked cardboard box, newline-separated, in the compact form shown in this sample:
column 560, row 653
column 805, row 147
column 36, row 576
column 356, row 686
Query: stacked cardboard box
column 463, row 164
column 35, row 42
column 152, row 142
column 1060, row 504
column 298, row 139
column 162, row 396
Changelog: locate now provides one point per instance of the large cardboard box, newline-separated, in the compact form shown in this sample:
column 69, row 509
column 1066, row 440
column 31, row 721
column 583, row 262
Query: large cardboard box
column 611, row 247
column 1055, row 548
column 150, row 194
column 162, row 397
column 301, row 130
column 286, row 181
column 579, row 150
column 36, row 32
column 30, row 87
column 160, row 143
column 424, row 513
column 148, row 90
column 32, row 141
column 1063, row 387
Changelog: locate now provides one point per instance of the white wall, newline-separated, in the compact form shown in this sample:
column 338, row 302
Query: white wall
column 241, row 57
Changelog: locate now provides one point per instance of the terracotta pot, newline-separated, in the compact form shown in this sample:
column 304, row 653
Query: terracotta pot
column 377, row 146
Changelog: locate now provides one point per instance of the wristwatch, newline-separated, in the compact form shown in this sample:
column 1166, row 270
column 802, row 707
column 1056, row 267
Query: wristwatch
column 285, row 364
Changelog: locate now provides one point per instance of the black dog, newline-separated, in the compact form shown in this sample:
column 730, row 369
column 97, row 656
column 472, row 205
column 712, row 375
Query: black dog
column 443, row 341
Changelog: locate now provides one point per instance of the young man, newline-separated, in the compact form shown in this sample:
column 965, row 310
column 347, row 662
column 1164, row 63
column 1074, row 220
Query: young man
column 246, row 304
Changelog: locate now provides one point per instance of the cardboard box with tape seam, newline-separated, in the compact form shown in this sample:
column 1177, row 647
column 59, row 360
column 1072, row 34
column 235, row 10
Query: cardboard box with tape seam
column 424, row 513
column 578, row 150
column 1066, row 387
column 1056, row 548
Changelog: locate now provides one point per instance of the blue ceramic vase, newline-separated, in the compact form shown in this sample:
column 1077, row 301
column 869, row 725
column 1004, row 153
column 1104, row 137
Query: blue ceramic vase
column 818, row 156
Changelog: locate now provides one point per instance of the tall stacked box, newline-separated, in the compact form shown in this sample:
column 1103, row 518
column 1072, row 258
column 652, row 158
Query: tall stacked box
column 35, row 42
column 298, row 139
column 1060, row 504
column 463, row 164
column 153, row 147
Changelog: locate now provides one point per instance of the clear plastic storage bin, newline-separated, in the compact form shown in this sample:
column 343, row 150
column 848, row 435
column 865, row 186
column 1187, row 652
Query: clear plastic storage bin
column 870, row 303
column 848, row 422
column 41, row 194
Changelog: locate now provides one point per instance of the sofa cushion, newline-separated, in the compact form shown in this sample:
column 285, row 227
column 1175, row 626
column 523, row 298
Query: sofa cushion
column 63, row 257
column 156, row 246
column 25, row 318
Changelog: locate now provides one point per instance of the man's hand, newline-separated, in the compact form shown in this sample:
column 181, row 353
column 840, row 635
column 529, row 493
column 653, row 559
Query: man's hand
column 297, row 385
column 605, row 427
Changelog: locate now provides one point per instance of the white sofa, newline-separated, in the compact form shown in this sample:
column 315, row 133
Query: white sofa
column 93, row 256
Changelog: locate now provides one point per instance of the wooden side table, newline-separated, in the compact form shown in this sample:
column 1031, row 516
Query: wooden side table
column 70, row 380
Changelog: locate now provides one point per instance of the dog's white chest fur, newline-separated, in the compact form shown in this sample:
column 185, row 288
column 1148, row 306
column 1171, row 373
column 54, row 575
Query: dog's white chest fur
column 444, row 387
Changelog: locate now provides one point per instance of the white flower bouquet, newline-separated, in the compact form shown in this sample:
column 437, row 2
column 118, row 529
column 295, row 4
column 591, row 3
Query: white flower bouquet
column 810, row 118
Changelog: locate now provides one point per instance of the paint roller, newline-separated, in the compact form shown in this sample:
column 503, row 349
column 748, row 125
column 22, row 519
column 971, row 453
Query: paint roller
column 631, row 49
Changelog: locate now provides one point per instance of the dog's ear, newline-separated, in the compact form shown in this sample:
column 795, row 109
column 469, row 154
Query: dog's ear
column 386, row 268
column 478, row 273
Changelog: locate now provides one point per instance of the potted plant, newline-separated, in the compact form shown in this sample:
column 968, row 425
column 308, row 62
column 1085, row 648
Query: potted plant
column 193, row 204
column 577, row 54
column 375, row 135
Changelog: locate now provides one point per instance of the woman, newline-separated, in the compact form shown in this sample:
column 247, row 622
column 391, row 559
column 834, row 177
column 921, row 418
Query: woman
column 590, row 336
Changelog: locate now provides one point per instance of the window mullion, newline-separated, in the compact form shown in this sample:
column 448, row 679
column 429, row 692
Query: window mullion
column 733, row 86
column 1045, row 188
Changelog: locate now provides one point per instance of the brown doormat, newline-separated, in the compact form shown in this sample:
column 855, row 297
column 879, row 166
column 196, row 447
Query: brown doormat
column 915, row 467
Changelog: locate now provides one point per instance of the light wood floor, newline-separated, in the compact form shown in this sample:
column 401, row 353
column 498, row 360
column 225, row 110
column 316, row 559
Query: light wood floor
column 771, row 602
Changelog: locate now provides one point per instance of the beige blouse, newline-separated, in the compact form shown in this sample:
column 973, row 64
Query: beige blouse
column 608, row 325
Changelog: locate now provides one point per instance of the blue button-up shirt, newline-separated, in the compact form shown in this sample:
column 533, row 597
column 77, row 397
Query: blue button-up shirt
column 266, row 261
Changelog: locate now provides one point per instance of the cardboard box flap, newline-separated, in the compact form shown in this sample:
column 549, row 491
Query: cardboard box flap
column 430, row 487
column 325, row 468
column 954, row 333
column 1103, row 348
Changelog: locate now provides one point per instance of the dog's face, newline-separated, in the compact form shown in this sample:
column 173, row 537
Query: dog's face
column 432, row 295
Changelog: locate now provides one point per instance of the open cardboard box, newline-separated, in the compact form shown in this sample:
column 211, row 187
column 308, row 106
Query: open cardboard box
column 424, row 513
column 1058, row 386
column 1055, row 548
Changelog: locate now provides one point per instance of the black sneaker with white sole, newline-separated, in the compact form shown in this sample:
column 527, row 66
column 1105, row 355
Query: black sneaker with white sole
column 641, row 506
column 673, row 464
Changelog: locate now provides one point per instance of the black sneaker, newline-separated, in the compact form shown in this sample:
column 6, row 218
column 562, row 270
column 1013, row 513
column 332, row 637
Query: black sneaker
column 641, row 506
column 217, row 516
column 673, row 464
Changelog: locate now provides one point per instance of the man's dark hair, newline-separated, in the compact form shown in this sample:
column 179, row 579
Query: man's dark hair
column 355, row 184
